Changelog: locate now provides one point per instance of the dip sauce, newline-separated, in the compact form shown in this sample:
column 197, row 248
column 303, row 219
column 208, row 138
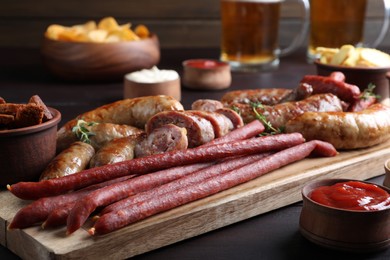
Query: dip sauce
column 204, row 64
column 352, row 195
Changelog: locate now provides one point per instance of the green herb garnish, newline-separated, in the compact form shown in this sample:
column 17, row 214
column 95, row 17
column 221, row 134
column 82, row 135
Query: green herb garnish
column 369, row 92
column 269, row 129
column 82, row 132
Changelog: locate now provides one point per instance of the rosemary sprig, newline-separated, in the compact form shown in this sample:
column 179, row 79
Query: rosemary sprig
column 369, row 92
column 269, row 129
column 82, row 132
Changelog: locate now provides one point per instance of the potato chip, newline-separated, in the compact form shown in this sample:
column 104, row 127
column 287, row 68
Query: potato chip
column 107, row 30
column 97, row 35
column 375, row 57
column 344, row 52
column 109, row 24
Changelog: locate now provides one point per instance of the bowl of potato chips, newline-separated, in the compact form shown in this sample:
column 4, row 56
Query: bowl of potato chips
column 363, row 67
column 103, row 50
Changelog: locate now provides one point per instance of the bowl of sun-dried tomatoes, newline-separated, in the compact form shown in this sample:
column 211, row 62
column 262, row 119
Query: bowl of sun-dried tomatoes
column 28, row 134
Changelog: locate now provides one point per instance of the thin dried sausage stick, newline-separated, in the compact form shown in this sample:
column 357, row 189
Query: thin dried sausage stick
column 34, row 190
column 116, row 220
column 110, row 194
column 185, row 181
column 37, row 211
column 337, row 75
column 58, row 216
column 245, row 132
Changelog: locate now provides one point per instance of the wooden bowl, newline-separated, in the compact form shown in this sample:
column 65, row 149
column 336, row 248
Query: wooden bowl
column 361, row 77
column 341, row 229
column 25, row 152
column 87, row 61
column 206, row 74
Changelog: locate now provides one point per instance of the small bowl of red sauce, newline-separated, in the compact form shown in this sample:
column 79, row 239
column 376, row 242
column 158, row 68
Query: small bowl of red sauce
column 346, row 215
column 206, row 74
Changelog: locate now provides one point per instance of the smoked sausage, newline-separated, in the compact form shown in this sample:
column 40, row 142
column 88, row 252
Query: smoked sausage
column 345, row 130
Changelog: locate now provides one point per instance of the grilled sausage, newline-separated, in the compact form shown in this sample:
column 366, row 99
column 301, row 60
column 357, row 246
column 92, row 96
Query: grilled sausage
column 163, row 139
column 101, row 134
column 280, row 114
column 116, row 150
column 234, row 117
column 270, row 96
column 135, row 112
column 71, row 160
column 199, row 130
column 345, row 130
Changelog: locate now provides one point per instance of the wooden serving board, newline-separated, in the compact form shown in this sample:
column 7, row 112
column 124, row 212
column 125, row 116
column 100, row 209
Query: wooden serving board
column 274, row 190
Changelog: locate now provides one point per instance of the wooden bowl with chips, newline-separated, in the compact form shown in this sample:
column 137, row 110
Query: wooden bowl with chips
column 25, row 152
column 361, row 67
column 91, row 61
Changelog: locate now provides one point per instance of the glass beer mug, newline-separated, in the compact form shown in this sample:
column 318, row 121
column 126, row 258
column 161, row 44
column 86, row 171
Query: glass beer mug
column 334, row 23
column 250, row 33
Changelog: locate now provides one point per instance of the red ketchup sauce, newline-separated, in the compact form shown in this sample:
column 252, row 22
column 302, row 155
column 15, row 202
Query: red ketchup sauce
column 204, row 64
column 352, row 195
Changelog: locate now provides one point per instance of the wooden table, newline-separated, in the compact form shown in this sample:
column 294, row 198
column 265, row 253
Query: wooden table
column 273, row 235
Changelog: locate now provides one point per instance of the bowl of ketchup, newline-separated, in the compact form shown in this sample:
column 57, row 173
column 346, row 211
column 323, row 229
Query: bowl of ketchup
column 346, row 215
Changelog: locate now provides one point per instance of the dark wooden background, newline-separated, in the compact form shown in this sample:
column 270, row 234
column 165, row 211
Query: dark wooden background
column 178, row 23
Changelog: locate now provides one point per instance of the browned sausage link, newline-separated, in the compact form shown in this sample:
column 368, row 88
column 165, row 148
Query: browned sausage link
column 210, row 105
column 163, row 139
column 247, row 131
column 270, row 96
column 209, row 153
column 71, row 160
column 125, row 216
column 116, row 150
column 321, row 84
column 280, row 114
column 221, row 124
column 37, row 211
column 345, row 130
column 135, row 112
column 199, row 130
column 186, row 181
column 102, row 133
column 109, row 194
column 338, row 76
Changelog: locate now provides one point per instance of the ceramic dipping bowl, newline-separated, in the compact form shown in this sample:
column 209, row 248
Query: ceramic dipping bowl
column 90, row 61
column 361, row 77
column 25, row 152
column 357, row 231
column 151, row 82
column 204, row 74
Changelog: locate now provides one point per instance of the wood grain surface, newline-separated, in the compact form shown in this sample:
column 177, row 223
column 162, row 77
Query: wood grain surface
column 274, row 190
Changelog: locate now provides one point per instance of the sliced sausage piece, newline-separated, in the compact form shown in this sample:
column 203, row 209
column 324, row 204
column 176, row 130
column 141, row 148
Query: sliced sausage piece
column 234, row 117
column 199, row 130
column 210, row 105
column 221, row 124
column 116, row 150
column 163, row 139
column 71, row 160
column 345, row 130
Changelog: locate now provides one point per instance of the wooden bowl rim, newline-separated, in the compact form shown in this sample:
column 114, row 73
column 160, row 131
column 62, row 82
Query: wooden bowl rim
column 35, row 128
